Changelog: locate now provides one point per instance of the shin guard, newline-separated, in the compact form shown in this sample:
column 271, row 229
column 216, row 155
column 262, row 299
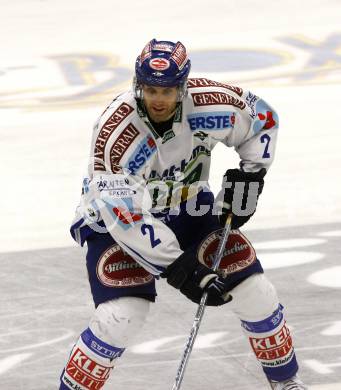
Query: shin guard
column 271, row 342
column 90, row 363
column 256, row 303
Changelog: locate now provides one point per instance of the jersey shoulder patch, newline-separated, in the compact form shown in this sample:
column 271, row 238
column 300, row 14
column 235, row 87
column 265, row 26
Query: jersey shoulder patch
column 205, row 92
column 207, row 83
column 114, row 121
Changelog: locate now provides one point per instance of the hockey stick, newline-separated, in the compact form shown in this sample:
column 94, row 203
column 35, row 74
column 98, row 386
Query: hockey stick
column 201, row 308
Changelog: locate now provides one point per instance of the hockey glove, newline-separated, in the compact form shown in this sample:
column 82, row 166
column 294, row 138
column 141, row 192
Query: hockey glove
column 193, row 278
column 245, row 196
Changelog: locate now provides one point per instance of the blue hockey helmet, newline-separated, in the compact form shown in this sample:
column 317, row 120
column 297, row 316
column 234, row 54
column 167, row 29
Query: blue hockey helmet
column 162, row 64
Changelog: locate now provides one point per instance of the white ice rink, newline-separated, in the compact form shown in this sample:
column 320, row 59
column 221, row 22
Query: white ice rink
column 63, row 61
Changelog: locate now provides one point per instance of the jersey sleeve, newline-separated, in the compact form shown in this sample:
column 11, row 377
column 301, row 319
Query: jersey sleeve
column 254, row 133
column 120, row 199
column 235, row 117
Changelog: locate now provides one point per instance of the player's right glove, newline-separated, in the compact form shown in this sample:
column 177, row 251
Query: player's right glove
column 230, row 194
column 192, row 278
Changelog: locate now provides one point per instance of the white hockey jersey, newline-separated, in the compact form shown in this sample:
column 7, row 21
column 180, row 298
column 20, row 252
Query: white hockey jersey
column 135, row 175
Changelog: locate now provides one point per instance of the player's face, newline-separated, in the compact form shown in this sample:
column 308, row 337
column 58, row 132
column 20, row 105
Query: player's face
column 160, row 102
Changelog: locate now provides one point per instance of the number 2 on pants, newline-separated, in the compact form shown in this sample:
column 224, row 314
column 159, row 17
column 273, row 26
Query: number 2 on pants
column 148, row 229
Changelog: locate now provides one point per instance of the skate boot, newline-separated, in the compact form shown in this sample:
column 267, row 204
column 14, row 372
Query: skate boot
column 293, row 383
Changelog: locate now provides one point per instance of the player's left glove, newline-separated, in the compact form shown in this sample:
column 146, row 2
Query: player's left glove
column 192, row 278
column 230, row 192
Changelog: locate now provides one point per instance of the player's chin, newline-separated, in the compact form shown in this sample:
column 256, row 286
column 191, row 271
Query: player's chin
column 159, row 116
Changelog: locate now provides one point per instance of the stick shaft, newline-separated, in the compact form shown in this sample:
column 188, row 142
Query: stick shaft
column 201, row 309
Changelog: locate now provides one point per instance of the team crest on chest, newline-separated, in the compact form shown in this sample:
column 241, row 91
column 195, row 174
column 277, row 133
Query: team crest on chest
column 201, row 135
column 238, row 253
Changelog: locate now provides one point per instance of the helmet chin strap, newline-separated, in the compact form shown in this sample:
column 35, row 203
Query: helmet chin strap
column 137, row 87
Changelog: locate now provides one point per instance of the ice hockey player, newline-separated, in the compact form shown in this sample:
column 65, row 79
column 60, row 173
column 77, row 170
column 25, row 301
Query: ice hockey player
column 146, row 212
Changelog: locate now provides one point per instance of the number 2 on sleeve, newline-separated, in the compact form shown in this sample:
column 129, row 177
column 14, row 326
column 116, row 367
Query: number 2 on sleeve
column 265, row 138
column 145, row 229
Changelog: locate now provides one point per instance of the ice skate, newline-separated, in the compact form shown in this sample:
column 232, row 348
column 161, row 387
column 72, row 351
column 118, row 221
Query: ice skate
column 293, row 383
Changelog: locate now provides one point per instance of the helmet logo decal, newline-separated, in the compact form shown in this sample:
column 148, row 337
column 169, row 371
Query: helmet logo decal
column 159, row 63
column 146, row 52
column 179, row 55
column 163, row 47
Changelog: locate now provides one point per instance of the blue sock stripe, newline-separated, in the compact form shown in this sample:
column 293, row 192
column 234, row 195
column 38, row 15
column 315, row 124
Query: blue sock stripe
column 100, row 347
column 266, row 325
column 282, row 373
